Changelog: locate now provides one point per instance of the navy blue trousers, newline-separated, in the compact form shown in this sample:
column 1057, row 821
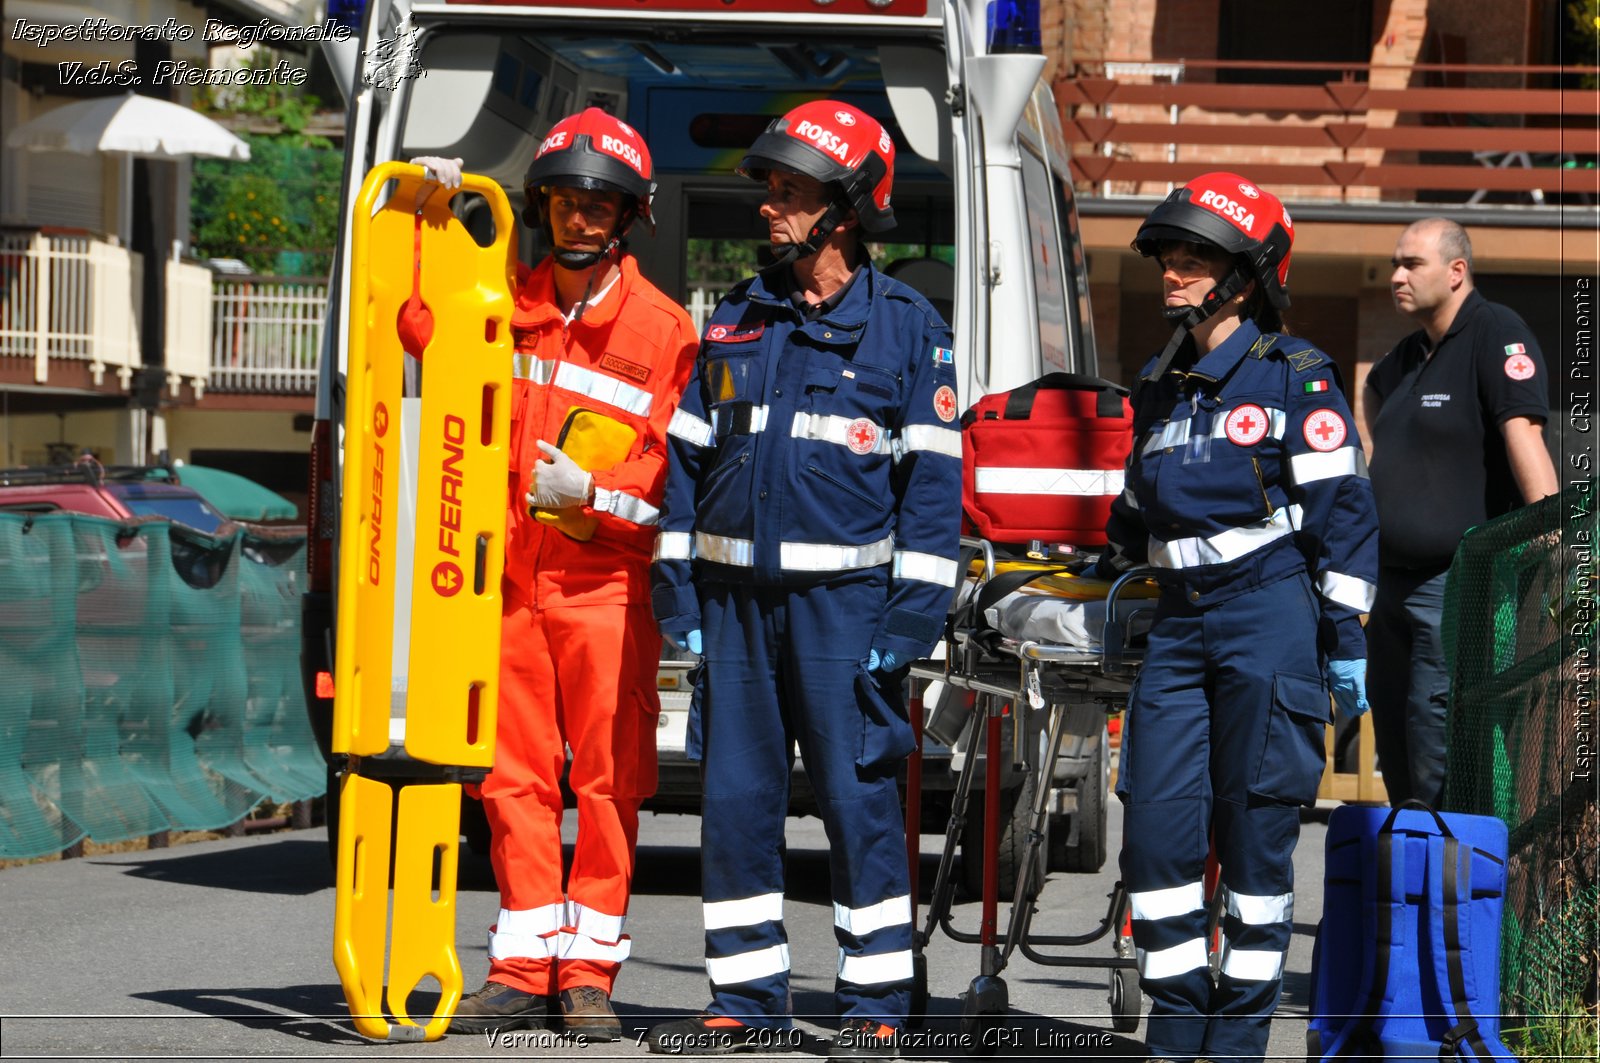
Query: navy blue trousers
column 1408, row 683
column 1224, row 741
column 788, row 665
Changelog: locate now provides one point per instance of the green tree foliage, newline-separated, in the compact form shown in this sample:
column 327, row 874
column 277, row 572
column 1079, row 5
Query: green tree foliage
column 1583, row 37
column 278, row 213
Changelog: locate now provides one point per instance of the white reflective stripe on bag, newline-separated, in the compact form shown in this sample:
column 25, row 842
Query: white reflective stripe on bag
column 1092, row 483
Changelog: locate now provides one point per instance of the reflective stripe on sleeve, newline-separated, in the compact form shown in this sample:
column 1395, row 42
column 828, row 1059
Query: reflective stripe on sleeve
column 929, row 568
column 1316, row 465
column 1350, row 591
column 929, row 439
column 1169, row 963
column 626, row 506
column 1261, row 910
column 689, row 428
column 1161, row 904
column 1225, row 546
column 896, row 911
column 747, row 966
column 875, row 970
column 1075, row 482
column 745, row 911
column 673, row 546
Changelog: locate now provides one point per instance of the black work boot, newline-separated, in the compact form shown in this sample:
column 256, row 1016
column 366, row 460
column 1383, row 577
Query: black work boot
column 701, row 1035
column 865, row 1039
column 500, row 1007
column 586, row 1011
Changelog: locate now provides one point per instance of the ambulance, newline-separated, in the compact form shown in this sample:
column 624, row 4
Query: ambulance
column 986, row 226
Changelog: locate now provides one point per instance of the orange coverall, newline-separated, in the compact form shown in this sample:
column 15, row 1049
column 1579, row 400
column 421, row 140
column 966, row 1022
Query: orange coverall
column 579, row 647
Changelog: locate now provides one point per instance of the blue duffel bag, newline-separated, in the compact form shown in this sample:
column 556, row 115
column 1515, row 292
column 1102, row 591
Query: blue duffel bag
column 1408, row 951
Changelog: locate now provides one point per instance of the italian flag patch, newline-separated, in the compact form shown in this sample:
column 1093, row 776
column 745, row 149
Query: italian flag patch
column 1314, row 386
column 1515, row 348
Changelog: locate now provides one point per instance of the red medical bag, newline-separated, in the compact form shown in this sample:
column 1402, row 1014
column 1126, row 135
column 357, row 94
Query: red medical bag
column 1044, row 461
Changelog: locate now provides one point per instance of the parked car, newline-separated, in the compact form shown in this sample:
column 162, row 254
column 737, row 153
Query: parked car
column 117, row 492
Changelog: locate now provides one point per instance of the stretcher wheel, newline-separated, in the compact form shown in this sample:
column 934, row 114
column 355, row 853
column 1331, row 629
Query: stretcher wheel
column 1125, row 999
column 1089, row 854
column 983, row 1007
column 919, row 991
column 1016, row 808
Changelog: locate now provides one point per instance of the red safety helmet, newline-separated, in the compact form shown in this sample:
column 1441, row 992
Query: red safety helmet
column 839, row 145
column 1229, row 212
column 593, row 150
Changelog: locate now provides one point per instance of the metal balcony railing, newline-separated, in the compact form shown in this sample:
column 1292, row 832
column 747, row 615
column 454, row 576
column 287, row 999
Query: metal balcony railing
column 69, row 297
column 266, row 333
column 1366, row 132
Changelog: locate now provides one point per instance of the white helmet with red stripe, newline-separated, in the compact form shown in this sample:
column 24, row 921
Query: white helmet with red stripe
column 840, row 145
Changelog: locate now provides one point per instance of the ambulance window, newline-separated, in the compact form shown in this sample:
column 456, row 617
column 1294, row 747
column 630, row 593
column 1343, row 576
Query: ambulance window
column 1076, row 261
column 1048, row 279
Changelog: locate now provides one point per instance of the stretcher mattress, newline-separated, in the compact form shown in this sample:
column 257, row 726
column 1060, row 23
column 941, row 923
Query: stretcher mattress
column 1031, row 616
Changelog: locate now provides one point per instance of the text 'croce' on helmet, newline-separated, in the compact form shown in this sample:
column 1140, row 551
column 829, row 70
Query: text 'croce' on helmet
column 597, row 151
column 842, row 146
column 1225, row 211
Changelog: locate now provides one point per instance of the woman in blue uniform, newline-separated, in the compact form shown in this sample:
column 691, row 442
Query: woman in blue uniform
column 1247, row 491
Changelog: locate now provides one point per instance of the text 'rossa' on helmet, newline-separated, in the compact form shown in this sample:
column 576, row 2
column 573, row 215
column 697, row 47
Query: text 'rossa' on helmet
column 842, row 146
column 1246, row 222
column 596, row 151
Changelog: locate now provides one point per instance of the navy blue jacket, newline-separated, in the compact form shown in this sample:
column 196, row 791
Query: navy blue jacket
column 802, row 450
column 1246, row 468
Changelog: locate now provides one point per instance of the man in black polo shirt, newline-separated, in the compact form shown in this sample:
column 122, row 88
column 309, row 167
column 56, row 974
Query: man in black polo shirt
column 1456, row 416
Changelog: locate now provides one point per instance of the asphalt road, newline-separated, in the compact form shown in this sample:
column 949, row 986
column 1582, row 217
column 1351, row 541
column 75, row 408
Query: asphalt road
column 222, row 950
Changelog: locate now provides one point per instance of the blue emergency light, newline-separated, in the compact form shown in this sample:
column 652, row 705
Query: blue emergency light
column 1014, row 26
column 347, row 13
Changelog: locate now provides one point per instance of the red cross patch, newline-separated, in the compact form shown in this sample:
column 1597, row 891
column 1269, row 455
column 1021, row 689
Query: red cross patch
column 1520, row 367
column 944, row 403
column 861, row 436
column 1324, row 430
column 1246, row 425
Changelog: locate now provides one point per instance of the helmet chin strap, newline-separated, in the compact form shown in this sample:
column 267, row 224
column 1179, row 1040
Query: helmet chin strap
column 576, row 260
column 1188, row 318
column 814, row 240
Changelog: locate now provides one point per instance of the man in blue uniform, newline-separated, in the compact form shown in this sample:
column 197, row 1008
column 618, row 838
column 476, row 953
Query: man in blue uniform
column 810, row 534
column 1247, row 491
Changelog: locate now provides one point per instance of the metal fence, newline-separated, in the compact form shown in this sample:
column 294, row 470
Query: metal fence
column 266, row 333
column 69, row 297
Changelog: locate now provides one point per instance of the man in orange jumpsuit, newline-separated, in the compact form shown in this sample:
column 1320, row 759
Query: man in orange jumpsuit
column 601, row 358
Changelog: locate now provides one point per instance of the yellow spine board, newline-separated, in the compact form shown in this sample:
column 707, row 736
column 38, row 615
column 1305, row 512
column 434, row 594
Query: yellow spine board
column 459, row 553
column 1066, row 585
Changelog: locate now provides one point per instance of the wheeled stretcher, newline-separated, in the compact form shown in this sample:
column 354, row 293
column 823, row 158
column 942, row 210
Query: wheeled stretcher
column 1025, row 639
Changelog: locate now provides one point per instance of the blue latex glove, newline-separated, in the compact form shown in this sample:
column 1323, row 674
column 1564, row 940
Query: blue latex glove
column 1348, row 681
column 881, row 661
column 689, row 640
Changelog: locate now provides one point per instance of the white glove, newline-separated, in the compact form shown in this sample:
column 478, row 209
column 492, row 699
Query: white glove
column 559, row 482
column 446, row 172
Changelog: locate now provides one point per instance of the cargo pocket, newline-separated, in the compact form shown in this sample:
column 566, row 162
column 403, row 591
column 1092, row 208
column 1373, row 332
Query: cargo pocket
column 694, row 735
column 1292, row 757
column 886, row 736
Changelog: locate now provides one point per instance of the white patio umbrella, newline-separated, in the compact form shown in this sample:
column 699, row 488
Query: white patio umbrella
column 131, row 126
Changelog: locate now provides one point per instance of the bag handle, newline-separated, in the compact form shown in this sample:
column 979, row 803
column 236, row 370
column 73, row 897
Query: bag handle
column 1019, row 403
